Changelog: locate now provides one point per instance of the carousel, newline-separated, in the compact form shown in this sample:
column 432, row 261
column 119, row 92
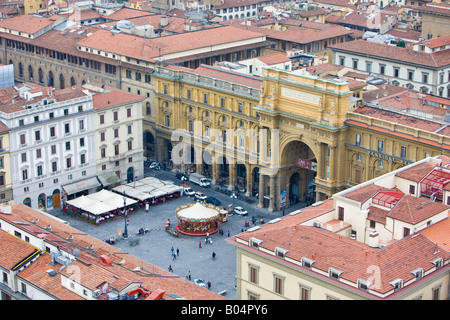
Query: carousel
column 198, row 219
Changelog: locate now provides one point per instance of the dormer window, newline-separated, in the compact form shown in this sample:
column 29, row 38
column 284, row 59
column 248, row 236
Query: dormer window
column 437, row 262
column 307, row 263
column 334, row 273
column 418, row 273
column 280, row 252
column 364, row 284
column 255, row 242
column 397, row 284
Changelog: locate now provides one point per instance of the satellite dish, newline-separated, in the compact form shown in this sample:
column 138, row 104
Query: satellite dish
column 76, row 252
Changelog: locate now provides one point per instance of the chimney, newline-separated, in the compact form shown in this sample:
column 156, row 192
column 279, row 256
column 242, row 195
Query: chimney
column 373, row 239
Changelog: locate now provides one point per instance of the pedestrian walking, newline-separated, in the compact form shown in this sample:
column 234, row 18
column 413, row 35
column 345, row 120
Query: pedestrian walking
column 208, row 284
column 172, row 249
column 228, row 233
column 174, row 256
column 189, row 275
column 200, row 244
column 178, row 251
column 170, row 268
column 213, row 255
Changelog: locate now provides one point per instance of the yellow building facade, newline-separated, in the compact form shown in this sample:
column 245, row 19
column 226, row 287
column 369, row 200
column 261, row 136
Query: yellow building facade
column 5, row 172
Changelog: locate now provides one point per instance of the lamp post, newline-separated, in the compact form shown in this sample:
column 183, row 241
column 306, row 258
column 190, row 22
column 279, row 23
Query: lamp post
column 125, row 232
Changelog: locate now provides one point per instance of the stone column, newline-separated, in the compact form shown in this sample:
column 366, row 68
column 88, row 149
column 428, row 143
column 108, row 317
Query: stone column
column 232, row 176
column 249, row 176
column 261, row 191
column 272, row 194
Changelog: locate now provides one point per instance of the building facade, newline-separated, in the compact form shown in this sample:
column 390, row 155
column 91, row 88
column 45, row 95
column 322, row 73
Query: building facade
column 380, row 240
column 51, row 141
column 5, row 172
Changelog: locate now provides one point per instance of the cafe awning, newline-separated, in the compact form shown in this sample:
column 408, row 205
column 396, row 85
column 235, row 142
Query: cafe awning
column 81, row 185
column 108, row 179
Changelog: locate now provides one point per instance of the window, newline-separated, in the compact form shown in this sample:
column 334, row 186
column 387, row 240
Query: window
column 425, row 77
column 380, row 145
column 67, row 128
column 67, row 145
column 37, row 135
column 436, row 292
column 205, row 98
column 102, row 119
column 334, row 273
column 53, row 149
column 342, row 60
column 253, row 274
column 382, row 68
column 83, row 158
column 54, row 166
column 167, row 121
column 130, row 145
column 406, row 232
column 81, row 124
column 397, row 284
column 129, row 130
column 240, row 107
column 358, row 139
column 102, row 136
column 368, row 66
column 418, row 273
column 307, row 263
column 188, row 94
column 52, row 131
column 191, row 126
column 22, row 139
column 410, row 75
column 412, row 189
column 222, row 102
column 24, row 157
column 355, row 63
column 116, row 132
column 69, row 163
column 24, row 174
column 403, row 152
column 81, row 142
column 280, row 252
column 116, row 115
column 129, row 112
column 103, row 152
column 396, row 72
column 305, row 293
column 39, row 170
column 278, row 284
column 341, row 213
column 364, row 284
column 116, row 149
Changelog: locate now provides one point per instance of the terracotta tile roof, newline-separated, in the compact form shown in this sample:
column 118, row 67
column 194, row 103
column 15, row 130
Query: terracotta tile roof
column 413, row 210
column 438, row 233
column 377, row 214
column 275, row 58
column 353, row 258
column 114, row 98
column 400, row 118
column 150, row 49
column 26, row 23
column 229, row 76
column 363, row 194
column 417, row 172
column 37, row 275
column 324, row 67
column 301, row 35
column 13, row 250
column 377, row 50
column 160, row 279
column 127, row 13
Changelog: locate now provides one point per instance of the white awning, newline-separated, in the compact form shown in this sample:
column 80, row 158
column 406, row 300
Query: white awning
column 108, row 178
column 81, row 185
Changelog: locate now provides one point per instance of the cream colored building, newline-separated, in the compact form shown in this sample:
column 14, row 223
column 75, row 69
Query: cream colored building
column 118, row 133
column 5, row 172
column 377, row 240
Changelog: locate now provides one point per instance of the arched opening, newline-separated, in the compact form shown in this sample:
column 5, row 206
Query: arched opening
column 27, row 202
column 56, row 197
column 41, row 75
column 72, row 82
column 130, row 175
column 20, row 70
column 301, row 171
column 30, row 73
column 62, row 82
column 50, row 79
column 41, row 201
column 149, row 144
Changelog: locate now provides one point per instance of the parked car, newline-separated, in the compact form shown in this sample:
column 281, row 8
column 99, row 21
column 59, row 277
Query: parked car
column 241, row 211
column 155, row 165
column 213, row 201
column 188, row 190
column 200, row 283
column 200, row 196
column 181, row 176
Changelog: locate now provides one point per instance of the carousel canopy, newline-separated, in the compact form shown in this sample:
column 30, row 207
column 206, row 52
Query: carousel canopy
column 197, row 212
column 100, row 202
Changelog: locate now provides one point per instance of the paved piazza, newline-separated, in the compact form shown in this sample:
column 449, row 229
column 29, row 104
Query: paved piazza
column 155, row 246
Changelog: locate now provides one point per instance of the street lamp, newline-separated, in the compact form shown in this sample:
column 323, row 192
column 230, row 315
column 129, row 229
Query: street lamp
column 125, row 232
